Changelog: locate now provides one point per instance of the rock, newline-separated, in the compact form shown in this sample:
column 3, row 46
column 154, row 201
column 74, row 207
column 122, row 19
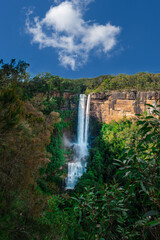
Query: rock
column 114, row 105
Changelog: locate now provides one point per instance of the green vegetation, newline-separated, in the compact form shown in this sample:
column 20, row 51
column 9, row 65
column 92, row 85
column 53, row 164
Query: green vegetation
column 139, row 82
column 119, row 195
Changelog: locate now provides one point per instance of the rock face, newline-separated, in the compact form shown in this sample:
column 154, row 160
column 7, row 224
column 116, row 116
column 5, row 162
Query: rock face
column 109, row 106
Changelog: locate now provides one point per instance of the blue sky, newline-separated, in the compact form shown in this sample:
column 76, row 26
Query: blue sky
column 82, row 38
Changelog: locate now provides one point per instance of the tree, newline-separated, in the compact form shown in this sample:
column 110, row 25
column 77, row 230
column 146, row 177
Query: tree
column 12, row 73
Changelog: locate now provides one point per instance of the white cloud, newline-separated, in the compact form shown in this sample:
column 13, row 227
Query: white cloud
column 79, row 3
column 67, row 60
column 63, row 18
column 57, row 1
column 64, row 29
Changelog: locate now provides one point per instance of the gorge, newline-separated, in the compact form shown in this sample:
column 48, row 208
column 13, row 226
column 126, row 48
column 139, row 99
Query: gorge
column 104, row 107
column 117, row 195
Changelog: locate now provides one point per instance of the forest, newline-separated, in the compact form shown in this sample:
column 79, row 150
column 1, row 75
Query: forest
column 118, row 197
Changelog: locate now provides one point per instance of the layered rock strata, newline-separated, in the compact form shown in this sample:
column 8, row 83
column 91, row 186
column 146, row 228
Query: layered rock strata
column 109, row 106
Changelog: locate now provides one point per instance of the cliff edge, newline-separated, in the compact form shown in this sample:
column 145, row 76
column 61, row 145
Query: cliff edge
column 114, row 105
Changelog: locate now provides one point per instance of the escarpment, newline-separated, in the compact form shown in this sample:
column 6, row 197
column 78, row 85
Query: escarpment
column 113, row 105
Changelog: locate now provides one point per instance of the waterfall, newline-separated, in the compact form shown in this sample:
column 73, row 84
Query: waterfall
column 78, row 166
column 81, row 119
column 87, row 120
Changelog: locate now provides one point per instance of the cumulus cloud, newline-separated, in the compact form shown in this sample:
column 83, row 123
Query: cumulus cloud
column 64, row 29
column 77, row 3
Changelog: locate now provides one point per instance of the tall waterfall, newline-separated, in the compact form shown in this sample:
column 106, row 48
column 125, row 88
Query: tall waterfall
column 78, row 166
column 87, row 120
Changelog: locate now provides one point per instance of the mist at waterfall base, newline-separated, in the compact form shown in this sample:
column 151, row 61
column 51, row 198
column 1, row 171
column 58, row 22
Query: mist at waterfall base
column 77, row 167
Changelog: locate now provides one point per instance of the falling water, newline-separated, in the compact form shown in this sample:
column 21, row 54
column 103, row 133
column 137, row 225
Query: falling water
column 78, row 166
column 87, row 121
column 81, row 119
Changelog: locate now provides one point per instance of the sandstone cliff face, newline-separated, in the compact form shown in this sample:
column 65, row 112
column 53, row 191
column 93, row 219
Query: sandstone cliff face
column 115, row 105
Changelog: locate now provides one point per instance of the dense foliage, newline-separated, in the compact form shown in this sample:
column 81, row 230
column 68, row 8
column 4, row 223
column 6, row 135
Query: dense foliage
column 121, row 205
column 50, row 83
column 119, row 195
column 139, row 82
column 132, row 191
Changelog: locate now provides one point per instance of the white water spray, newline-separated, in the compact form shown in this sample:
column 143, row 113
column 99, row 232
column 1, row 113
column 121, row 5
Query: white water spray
column 78, row 166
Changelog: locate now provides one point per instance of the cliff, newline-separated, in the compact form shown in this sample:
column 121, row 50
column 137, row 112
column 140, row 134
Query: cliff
column 115, row 105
